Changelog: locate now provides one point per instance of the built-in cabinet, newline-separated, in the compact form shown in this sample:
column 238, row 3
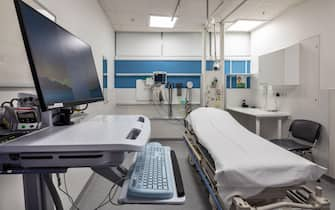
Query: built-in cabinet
column 281, row 68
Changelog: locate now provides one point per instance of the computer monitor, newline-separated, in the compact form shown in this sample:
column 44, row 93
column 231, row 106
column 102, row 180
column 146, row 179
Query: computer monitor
column 62, row 65
column 160, row 77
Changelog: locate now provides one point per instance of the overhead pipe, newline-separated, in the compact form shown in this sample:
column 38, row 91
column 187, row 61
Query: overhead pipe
column 207, row 9
column 230, row 13
column 234, row 10
column 175, row 10
column 216, row 8
column 203, row 68
column 222, row 65
column 210, row 33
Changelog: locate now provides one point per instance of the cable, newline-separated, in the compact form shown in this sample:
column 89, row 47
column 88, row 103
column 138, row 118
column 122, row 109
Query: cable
column 14, row 99
column 104, row 202
column 66, row 191
column 108, row 198
column 6, row 102
column 111, row 198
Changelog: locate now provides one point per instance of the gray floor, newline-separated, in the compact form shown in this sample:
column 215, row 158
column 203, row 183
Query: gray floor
column 197, row 196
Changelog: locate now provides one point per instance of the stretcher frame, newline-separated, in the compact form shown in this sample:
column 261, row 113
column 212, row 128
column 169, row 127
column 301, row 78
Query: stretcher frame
column 298, row 197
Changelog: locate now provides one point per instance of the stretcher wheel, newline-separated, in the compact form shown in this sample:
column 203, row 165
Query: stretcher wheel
column 191, row 161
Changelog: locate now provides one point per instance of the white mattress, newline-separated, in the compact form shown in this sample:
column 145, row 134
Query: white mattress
column 246, row 163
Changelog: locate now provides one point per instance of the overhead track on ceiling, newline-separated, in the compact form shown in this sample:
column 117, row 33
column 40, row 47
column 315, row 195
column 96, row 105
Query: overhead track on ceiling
column 233, row 11
column 230, row 13
column 175, row 10
column 216, row 8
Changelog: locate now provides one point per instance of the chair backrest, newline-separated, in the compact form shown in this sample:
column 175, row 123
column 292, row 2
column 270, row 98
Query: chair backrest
column 305, row 130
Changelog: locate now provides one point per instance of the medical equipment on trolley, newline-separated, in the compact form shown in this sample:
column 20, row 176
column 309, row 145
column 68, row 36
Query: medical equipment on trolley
column 214, row 89
column 160, row 77
column 21, row 118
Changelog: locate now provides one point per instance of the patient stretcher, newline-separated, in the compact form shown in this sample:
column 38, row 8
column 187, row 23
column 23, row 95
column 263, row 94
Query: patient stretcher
column 244, row 171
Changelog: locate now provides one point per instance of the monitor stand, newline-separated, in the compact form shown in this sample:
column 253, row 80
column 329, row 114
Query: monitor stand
column 63, row 117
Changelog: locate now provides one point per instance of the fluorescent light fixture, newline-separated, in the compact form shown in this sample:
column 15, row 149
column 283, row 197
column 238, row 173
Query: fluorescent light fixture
column 162, row 21
column 245, row 25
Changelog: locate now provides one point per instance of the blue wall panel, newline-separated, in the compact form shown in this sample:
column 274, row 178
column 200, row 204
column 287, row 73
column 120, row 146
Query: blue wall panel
column 248, row 67
column 233, row 82
column 151, row 66
column 209, row 65
column 138, row 66
column 105, row 72
column 227, row 67
column 228, row 82
column 238, row 67
column 248, row 82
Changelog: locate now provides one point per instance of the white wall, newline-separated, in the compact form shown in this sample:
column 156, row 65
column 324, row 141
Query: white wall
column 296, row 25
column 86, row 20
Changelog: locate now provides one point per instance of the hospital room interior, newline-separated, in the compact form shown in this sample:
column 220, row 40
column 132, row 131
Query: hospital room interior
column 167, row 104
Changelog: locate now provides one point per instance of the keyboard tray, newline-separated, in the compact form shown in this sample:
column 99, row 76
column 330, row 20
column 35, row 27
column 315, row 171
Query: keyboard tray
column 175, row 200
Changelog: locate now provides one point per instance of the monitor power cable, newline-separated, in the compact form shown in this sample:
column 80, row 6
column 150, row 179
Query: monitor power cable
column 65, row 191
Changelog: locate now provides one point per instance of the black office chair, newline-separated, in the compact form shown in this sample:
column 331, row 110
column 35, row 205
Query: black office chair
column 307, row 134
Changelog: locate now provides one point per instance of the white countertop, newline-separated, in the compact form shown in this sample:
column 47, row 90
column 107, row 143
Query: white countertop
column 101, row 133
column 256, row 112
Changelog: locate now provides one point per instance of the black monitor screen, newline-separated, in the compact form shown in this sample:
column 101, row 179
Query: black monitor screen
column 62, row 65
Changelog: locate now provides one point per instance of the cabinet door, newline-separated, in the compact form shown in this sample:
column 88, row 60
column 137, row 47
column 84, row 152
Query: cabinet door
column 281, row 67
column 271, row 68
column 292, row 65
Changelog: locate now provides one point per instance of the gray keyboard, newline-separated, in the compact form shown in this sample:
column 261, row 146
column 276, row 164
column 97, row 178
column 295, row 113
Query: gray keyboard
column 152, row 175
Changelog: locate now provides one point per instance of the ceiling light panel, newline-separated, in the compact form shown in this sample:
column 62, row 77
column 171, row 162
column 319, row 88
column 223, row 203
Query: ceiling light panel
column 245, row 25
column 162, row 22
